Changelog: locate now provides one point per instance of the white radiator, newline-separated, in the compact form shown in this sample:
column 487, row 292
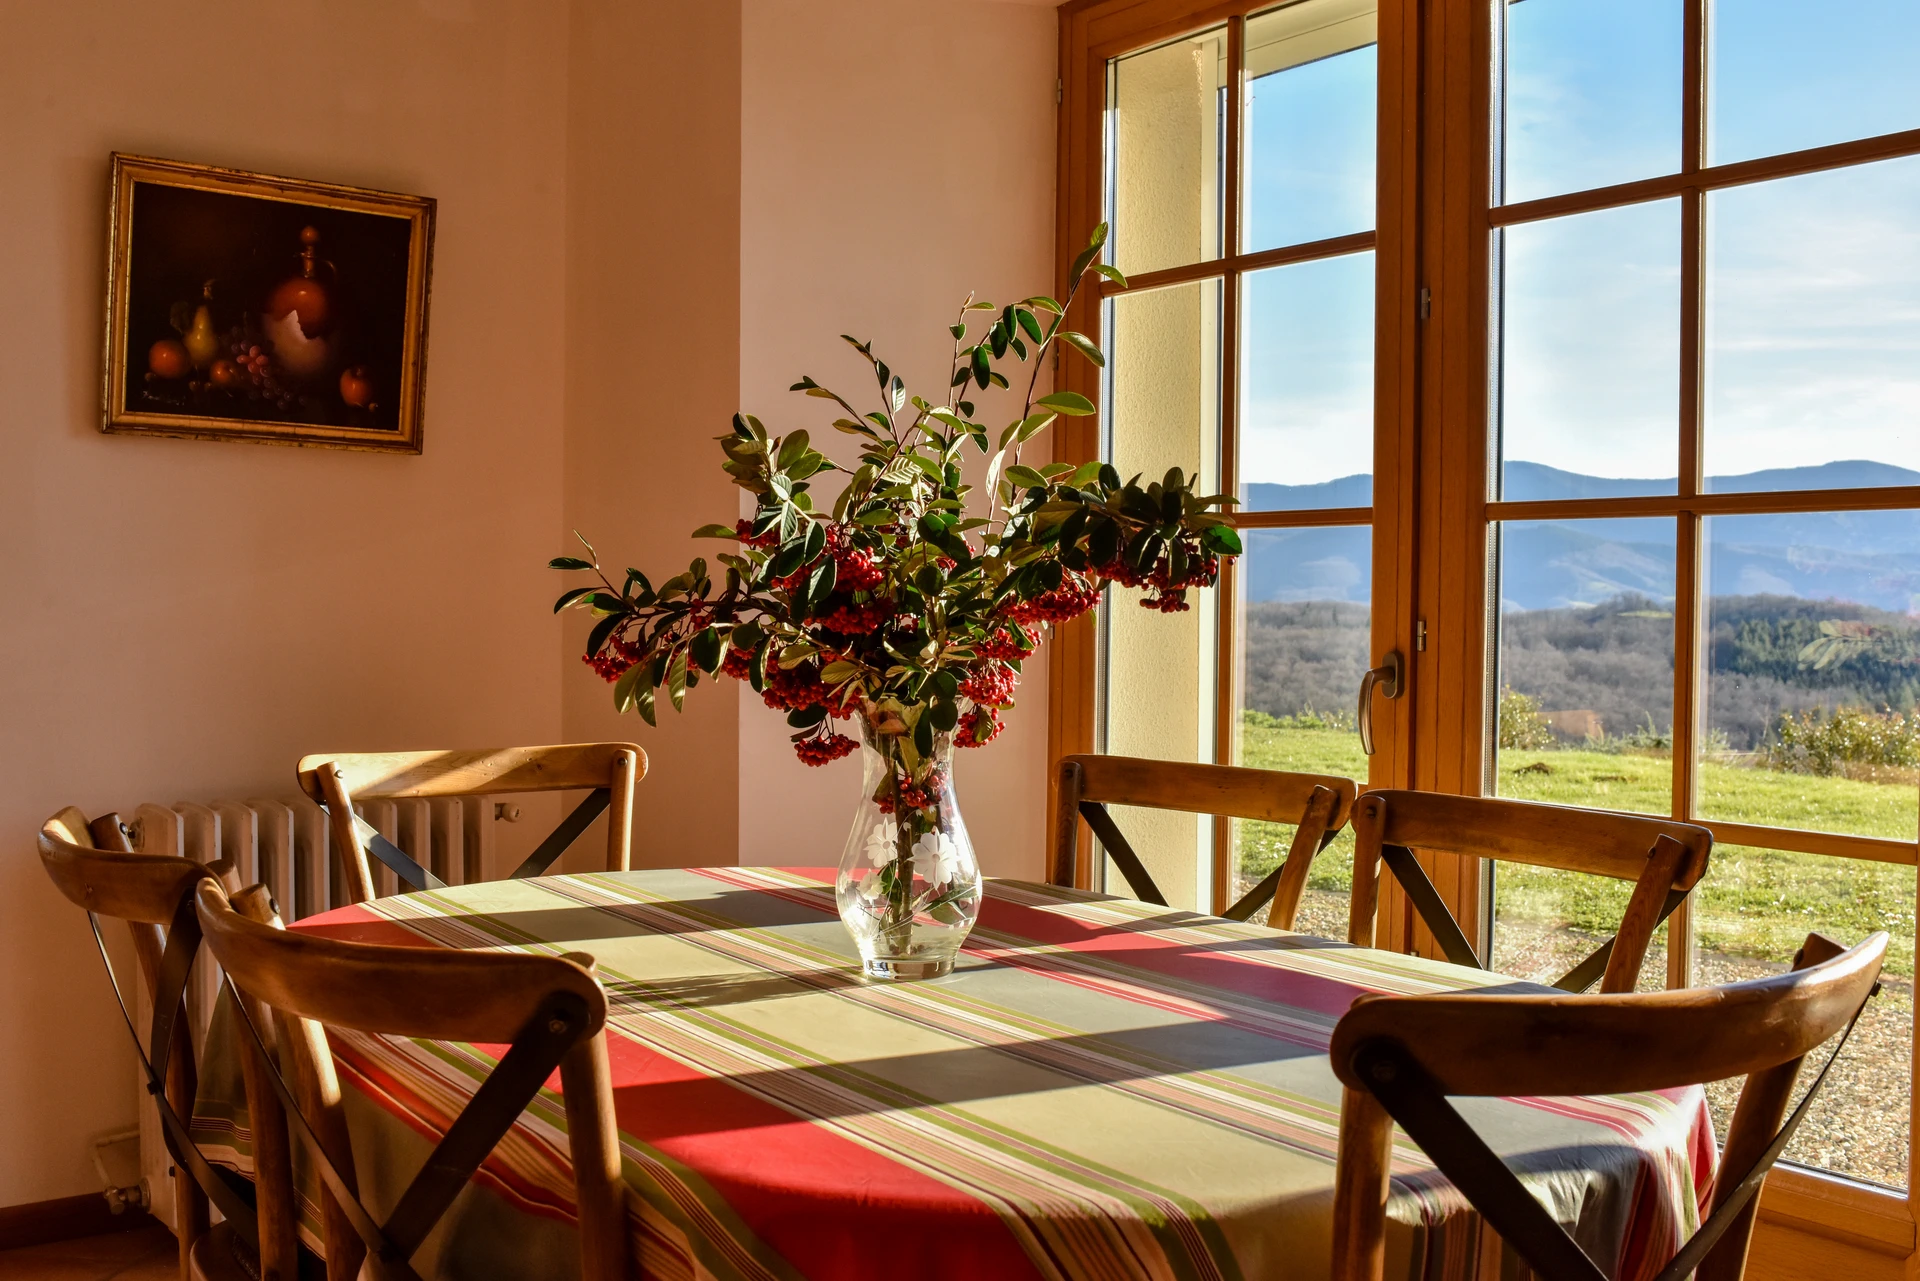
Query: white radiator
column 283, row 845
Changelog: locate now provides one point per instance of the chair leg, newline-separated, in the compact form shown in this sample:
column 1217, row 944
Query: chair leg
column 599, row 1190
column 1360, row 1189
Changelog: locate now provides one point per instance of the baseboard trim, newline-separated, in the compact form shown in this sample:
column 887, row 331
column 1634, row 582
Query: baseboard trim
column 65, row 1218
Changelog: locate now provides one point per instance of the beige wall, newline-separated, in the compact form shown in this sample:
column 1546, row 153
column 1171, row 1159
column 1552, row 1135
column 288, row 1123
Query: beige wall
column 858, row 218
column 653, row 368
column 632, row 242
column 182, row 619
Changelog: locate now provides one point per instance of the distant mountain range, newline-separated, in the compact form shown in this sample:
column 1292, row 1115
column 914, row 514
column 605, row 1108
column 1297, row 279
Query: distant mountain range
column 1869, row 557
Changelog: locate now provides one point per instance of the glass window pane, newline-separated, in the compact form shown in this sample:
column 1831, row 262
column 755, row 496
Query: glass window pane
column 1752, row 911
column 1585, row 693
column 1590, row 368
column 1785, row 74
column 1302, row 640
column 1157, row 670
column 1546, row 921
column 1593, row 90
column 1306, row 415
column 1813, row 331
column 1813, row 672
column 1310, row 137
column 1168, row 137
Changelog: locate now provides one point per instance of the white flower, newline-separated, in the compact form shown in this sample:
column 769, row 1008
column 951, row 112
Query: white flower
column 880, row 850
column 937, row 855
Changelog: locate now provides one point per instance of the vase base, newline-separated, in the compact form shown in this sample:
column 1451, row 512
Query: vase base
column 905, row 969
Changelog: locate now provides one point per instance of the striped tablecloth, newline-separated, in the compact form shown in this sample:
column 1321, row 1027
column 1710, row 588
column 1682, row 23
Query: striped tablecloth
column 1102, row 1089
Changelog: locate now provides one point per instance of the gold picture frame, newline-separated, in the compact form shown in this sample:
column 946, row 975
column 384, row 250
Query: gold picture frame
column 243, row 306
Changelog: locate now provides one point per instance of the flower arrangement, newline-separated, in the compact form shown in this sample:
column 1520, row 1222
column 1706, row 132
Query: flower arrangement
column 906, row 603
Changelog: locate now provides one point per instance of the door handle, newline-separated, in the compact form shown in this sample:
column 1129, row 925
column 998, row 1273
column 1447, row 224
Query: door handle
column 1390, row 678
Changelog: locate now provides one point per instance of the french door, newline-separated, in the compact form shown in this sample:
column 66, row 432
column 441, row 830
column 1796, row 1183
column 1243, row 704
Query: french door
column 1567, row 351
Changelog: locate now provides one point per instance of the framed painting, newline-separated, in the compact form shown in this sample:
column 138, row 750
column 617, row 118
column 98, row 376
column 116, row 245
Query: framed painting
column 247, row 307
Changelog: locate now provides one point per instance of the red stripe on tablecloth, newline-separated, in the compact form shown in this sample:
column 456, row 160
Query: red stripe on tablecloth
column 822, row 1202
column 357, row 923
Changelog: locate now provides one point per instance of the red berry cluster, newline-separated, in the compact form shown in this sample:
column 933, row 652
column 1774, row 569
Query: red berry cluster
column 613, row 660
column 1004, row 645
column 744, row 528
column 979, row 727
column 915, row 796
column 854, row 569
column 1165, row 593
column 799, row 687
column 1075, row 595
column 990, row 684
column 738, row 664
column 823, row 747
column 852, row 619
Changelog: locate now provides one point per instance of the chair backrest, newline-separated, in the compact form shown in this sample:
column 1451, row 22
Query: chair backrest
column 607, row 771
column 550, row 1011
column 1664, row 858
column 1400, row 1057
column 153, row 894
column 1317, row 804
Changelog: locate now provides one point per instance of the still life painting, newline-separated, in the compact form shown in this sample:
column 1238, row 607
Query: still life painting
column 244, row 306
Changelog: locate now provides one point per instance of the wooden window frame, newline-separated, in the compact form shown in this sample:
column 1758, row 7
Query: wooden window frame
column 1432, row 512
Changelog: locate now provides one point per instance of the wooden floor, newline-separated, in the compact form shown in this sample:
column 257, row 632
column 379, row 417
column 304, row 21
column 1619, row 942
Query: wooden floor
column 147, row 1255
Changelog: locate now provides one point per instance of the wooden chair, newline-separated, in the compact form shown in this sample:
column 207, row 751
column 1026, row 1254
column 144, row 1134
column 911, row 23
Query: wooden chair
column 1663, row 858
column 337, row 779
column 1401, row 1057
column 1318, row 804
column 153, row 894
column 549, row 1011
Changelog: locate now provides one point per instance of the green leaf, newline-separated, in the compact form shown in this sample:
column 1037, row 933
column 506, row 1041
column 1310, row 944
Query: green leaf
column 568, row 598
column 1111, row 273
column 1029, row 322
column 792, row 450
column 643, row 703
column 944, row 714
column 1067, row 402
column 1222, row 539
column 624, row 691
column 569, row 562
column 923, row 736
column 597, row 638
column 1085, row 346
column 705, row 648
column 1044, row 303
column 1025, row 477
column 816, row 541
column 806, row 717
column 677, row 679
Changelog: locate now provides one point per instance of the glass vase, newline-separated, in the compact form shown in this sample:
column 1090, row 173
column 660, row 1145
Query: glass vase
column 909, row 886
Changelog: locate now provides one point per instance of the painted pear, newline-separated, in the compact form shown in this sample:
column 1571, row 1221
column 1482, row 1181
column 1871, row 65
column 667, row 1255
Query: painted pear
column 201, row 342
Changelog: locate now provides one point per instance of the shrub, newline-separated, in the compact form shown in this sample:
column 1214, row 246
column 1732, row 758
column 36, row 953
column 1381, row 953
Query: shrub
column 1521, row 724
column 1305, row 718
column 1820, row 742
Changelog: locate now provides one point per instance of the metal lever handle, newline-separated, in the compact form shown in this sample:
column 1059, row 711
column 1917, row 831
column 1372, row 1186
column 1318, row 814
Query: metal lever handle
column 1391, row 680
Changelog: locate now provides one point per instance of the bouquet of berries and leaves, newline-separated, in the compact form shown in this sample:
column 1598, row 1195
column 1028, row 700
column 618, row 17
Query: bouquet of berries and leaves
column 909, row 601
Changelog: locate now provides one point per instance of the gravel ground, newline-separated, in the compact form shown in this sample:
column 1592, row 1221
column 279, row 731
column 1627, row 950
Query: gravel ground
column 1858, row 1126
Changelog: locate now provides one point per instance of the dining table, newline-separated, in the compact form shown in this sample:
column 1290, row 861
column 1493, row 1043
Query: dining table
column 1101, row 1088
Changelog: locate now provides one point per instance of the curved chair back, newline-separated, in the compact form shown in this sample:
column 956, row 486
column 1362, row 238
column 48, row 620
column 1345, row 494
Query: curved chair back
column 1317, row 804
column 606, row 771
column 1665, row 860
column 550, row 1011
column 153, row 894
column 1401, row 1057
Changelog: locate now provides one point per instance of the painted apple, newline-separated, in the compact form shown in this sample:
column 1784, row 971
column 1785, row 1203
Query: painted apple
column 356, row 388
column 168, row 358
column 224, row 373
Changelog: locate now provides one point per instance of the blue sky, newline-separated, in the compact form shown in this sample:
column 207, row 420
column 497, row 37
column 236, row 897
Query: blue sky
column 1813, row 345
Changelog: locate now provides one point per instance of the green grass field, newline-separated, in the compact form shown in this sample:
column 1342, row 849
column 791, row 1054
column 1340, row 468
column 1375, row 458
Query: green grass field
column 1754, row 902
